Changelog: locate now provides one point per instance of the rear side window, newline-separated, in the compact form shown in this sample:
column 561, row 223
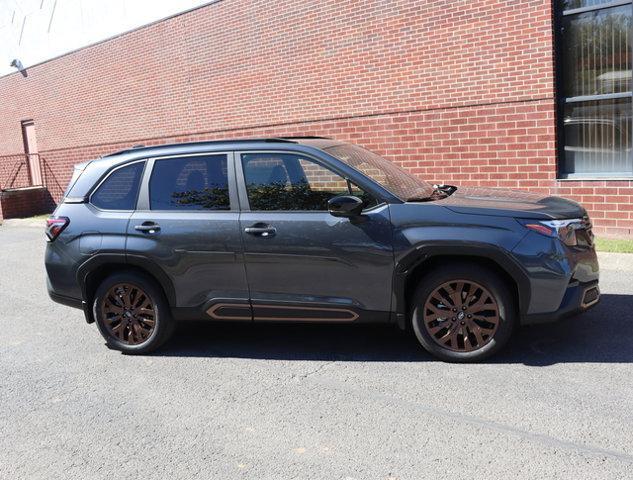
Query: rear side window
column 120, row 189
column 190, row 183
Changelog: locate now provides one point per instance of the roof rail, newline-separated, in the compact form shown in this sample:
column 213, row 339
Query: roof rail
column 305, row 137
column 136, row 148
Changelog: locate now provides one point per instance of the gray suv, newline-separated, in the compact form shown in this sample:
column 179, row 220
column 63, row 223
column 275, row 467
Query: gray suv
column 310, row 230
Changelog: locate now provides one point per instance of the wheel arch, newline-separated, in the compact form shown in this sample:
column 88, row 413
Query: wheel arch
column 92, row 272
column 413, row 266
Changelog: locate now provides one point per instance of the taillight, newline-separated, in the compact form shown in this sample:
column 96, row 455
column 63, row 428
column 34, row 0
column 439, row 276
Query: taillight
column 55, row 226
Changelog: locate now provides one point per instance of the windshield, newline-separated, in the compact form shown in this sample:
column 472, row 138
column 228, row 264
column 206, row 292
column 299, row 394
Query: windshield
column 399, row 182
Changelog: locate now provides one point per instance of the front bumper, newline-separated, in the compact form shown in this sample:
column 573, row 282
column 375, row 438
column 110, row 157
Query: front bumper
column 578, row 298
column 560, row 277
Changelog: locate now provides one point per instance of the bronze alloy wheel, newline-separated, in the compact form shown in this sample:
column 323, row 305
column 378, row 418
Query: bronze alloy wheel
column 129, row 314
column 461, row 315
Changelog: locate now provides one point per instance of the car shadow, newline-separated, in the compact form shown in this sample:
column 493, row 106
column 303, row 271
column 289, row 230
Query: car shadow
column 603, row 334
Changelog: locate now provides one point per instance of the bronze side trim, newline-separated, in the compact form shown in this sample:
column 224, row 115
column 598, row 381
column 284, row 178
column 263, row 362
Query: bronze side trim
column 213, row 311
column 352, row 315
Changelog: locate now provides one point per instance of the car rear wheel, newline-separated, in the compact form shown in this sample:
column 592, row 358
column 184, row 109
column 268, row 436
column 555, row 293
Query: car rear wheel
column 132, row 313
column 463, row 313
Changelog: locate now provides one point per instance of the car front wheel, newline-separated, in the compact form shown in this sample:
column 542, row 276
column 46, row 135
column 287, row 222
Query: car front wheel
column 463, row 313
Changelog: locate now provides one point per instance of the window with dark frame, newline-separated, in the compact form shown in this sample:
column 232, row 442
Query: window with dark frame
column 290, row 182
column 595, row 88
column 190, row 183
column 120, row 189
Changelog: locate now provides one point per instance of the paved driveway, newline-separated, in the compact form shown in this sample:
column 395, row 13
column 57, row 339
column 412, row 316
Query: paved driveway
column 318, row 402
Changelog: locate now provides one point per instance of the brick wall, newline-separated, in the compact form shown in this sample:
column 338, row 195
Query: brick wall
column 456, row 91
column 25, row 202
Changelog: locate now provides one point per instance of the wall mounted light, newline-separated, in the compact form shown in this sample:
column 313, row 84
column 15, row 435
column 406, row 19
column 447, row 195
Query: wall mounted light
column 16, row 63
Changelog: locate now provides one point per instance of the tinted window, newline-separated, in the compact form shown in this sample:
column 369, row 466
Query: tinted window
column 276, row 181
column 190, row 183
column 597, row 52
column 120, row 189
column 598, row 137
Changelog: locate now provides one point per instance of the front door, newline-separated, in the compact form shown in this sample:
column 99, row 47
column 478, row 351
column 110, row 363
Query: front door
column 31, row 150
column 301, row 262
column 186, row 224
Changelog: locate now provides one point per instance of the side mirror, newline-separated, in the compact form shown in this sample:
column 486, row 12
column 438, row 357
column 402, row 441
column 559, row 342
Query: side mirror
column 345, row 206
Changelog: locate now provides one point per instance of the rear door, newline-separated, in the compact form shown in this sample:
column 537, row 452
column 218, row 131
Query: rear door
column 303, row 263
column 187, row 225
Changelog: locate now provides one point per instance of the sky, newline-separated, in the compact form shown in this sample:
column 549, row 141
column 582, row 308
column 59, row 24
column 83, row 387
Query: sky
column 37, row 30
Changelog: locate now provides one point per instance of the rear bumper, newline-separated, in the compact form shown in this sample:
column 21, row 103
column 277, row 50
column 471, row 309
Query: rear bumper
column 578, row 299
column 67, row 301
column 70, row 302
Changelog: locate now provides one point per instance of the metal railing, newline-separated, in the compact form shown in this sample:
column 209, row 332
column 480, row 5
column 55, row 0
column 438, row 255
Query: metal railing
column 20, row 171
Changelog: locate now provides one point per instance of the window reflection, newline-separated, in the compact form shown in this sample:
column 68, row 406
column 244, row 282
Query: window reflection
column 571, row 4
column 278, row 181
column 597, row 52
column 190, row 183
column 598, row 137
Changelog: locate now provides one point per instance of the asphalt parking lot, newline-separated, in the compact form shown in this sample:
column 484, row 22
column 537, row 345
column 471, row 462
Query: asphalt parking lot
column 317, row 402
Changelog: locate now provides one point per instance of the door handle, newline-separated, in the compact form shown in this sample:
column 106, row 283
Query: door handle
column 261, row 230
column 148, row 227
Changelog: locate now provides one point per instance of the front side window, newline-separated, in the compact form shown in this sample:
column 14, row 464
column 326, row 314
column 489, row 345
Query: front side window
column 120, row 189
column 595, row 80
column 190, row 183
column 288, row 181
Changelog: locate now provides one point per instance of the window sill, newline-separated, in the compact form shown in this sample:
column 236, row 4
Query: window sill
column 595, row 178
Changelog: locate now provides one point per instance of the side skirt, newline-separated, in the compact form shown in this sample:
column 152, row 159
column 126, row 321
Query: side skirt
column 241, row 311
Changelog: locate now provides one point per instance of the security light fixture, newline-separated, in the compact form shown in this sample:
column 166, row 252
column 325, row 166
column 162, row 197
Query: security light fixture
column 17, row 64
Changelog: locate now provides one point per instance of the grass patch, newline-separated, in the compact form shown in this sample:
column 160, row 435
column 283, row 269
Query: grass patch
column 614, row 245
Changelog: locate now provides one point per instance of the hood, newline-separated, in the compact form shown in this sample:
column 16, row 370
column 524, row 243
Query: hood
column 511, row 203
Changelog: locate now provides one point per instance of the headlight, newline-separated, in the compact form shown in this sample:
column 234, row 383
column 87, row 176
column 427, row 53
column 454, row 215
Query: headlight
column 563, row 229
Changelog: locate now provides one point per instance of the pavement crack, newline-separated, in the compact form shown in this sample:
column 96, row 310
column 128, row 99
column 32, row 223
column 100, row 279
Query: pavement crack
column 303, row 376
column 543, row 439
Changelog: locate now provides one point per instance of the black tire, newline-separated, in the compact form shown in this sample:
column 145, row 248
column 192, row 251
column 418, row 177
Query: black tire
column 505, row 319
column 163, row 324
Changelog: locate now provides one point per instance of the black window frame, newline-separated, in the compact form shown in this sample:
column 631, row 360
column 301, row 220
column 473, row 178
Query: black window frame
column 561, row 100
column 111, row 172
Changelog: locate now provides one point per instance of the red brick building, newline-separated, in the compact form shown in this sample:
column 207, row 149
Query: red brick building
column 518, row 94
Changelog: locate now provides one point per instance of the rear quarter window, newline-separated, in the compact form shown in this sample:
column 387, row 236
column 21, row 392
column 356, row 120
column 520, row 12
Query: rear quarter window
column 77, row 171
column 119, row 190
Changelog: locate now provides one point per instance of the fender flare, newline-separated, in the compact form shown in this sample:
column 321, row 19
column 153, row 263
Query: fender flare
column 424, row 252
column 144, row 263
